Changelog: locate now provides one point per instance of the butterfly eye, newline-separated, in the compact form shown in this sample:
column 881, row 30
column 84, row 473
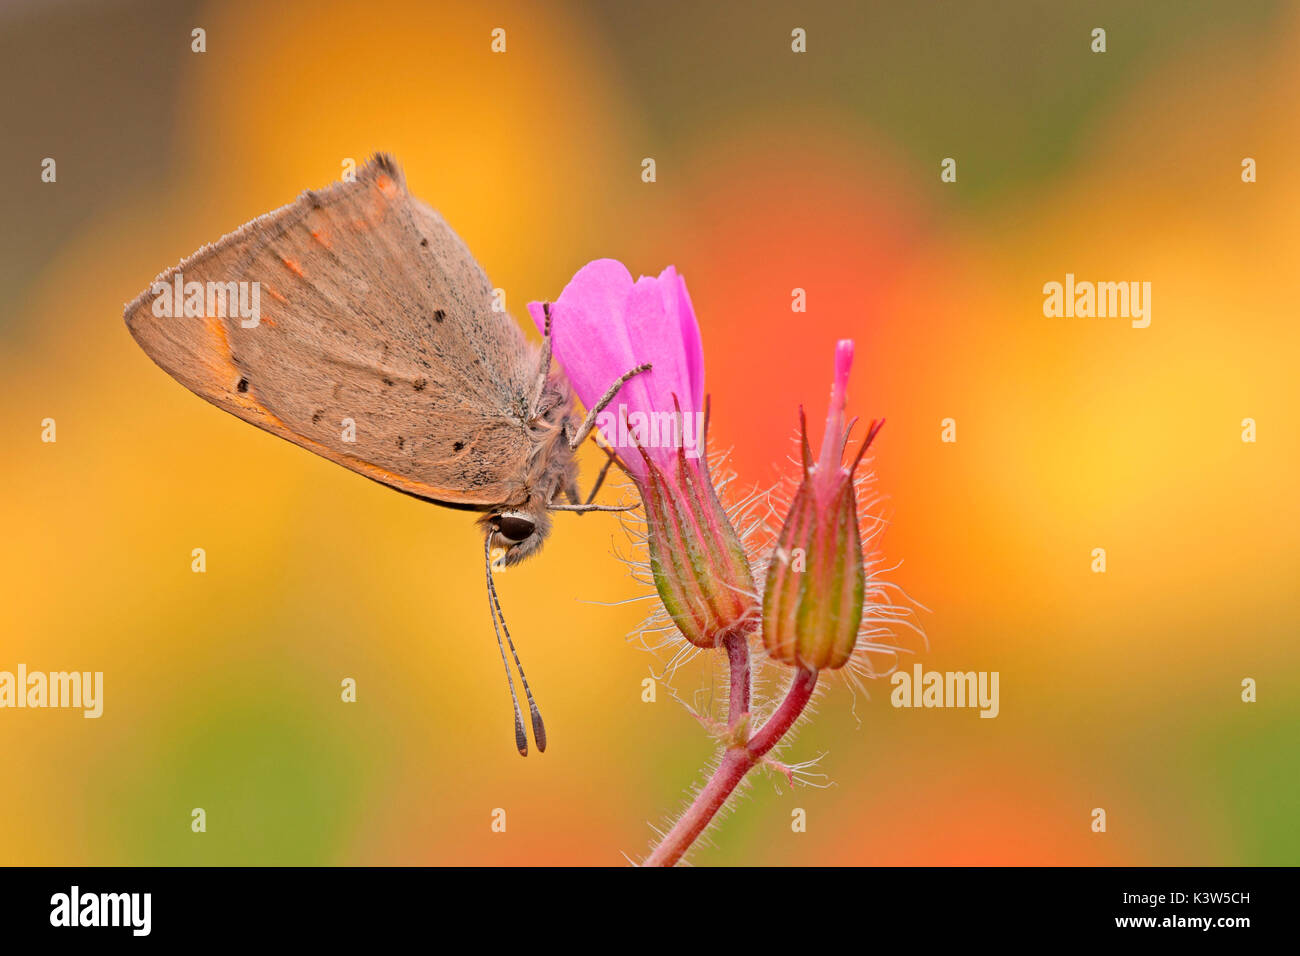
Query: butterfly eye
column 513, row 528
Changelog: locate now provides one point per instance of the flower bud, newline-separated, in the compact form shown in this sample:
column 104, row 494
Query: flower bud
column 816, row 581
column 698, row 563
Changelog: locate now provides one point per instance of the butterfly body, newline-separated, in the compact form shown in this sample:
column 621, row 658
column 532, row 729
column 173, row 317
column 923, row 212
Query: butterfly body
column 377, row 346
column 355, row 323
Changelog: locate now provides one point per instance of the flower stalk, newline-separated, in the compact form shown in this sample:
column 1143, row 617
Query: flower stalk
column 737, row 761
column 739, row 691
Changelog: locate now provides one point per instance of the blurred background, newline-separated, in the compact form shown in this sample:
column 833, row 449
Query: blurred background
column 775, row 171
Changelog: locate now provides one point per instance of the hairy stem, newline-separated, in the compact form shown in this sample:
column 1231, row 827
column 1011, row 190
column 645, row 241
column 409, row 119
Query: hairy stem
column 738, row 657
column 737, row 761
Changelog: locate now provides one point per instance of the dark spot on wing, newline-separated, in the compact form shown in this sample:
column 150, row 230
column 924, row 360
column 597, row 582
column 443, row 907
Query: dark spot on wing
column 316, row 417
column 401, row 442
column 420, row 384
column 242, row 386
column 458, row 445
column 387, row 381
column 439, row 315
column 424, row 242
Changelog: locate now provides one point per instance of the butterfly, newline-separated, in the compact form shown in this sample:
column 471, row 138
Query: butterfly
column 355, row 323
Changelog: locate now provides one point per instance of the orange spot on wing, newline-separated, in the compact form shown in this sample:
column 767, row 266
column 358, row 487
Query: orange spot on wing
column 386, row 185
column 320, row 236
column 275, row 295
column 217, row 329
column 292, row 266
column 218, row 360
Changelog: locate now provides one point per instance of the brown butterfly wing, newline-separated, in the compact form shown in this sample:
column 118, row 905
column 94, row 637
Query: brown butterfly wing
column 371, row 311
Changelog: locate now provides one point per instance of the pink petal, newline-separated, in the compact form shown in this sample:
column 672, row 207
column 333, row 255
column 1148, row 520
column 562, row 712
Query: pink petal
column 587, row 327
column 833, row 438
column 604, row 325
column 691, row 343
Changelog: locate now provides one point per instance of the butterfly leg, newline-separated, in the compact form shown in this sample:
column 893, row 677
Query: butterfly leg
column 581, row 509
column 600, row 478
column 589, row 422
column 544, row 365
column 575, row 498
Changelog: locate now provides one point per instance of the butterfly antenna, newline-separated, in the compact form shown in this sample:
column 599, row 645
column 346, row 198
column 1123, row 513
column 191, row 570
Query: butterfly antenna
column 521, row 739
column 539, row 728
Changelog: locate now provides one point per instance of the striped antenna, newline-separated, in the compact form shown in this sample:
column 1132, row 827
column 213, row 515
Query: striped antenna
column 521, row 739
column 499, row 625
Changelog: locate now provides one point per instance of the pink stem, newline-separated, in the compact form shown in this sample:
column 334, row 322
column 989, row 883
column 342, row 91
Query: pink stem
column 796, row 699
column 738, row 656
column 737, row 761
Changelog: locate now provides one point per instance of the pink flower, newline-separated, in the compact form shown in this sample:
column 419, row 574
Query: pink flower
column 604, row 325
